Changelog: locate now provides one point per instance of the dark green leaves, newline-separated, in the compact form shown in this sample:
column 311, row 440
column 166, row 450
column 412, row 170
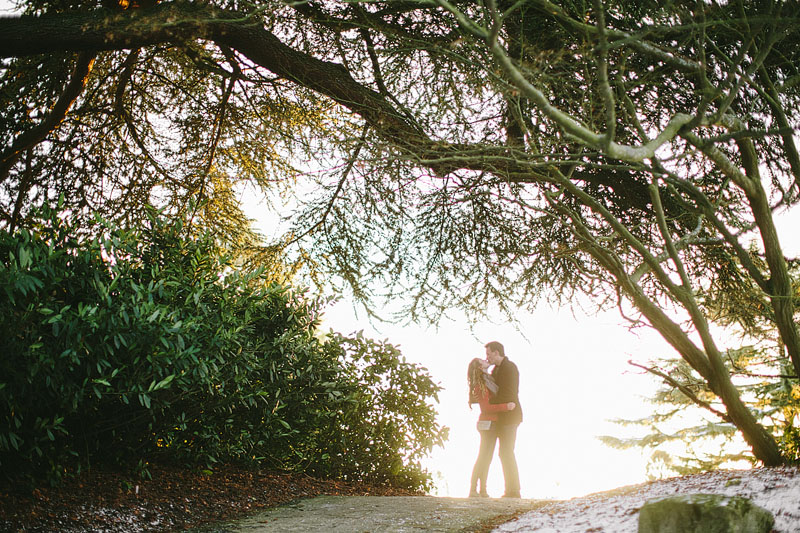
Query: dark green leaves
column 140, row 345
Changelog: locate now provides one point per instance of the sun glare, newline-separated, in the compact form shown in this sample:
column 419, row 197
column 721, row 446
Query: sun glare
column 574, row 377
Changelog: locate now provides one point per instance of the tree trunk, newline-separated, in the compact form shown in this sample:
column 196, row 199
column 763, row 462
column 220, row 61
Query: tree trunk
column 762, row 443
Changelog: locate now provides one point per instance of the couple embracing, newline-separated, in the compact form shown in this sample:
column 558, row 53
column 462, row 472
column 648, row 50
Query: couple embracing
column 497, row 393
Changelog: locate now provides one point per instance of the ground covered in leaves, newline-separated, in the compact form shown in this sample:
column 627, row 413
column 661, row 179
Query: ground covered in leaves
column 174, row 499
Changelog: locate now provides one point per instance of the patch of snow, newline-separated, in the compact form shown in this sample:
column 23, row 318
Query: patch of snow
column 774, row 489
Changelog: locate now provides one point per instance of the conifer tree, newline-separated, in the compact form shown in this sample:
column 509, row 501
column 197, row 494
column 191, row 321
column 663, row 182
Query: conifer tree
column 464, row 155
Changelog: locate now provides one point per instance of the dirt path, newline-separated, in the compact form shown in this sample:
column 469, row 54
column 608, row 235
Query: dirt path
column 374, row 514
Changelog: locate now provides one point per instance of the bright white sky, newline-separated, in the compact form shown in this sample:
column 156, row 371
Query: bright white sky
column 574, row 378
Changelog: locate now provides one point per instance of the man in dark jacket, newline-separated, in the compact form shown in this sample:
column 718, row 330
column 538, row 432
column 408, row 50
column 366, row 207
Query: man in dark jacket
column 506, row 375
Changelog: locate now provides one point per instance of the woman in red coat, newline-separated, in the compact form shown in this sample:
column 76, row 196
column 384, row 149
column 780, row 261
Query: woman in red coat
column 481, row 388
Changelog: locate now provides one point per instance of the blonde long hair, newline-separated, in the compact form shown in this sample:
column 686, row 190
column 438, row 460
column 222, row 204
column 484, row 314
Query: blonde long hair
column 476, row 381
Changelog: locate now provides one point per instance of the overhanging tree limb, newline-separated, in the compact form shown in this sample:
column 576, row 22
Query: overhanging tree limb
column 572, row 127
column 32, row 137
column 179, row 23
column 779, row 285
column 707, row 363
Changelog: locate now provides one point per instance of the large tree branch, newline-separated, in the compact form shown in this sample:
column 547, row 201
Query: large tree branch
column 779, row 284
column 670, row 330
column 566, row 122
column 178, row 23
column 708, row 364
column 35, row 135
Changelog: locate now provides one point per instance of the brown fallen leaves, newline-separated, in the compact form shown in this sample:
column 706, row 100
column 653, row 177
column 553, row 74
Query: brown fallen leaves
column 174, row 499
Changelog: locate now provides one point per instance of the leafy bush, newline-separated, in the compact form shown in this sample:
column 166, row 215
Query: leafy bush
column 389, row 424
column 139, row 345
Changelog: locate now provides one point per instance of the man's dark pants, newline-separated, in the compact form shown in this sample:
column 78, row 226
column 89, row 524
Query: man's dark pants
column 507, row 437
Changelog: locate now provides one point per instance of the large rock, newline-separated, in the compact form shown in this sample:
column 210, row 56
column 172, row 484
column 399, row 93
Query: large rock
column 704, row 513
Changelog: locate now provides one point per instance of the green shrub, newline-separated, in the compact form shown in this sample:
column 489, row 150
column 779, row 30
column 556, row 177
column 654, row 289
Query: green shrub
column 389, row 424
column 132, row 346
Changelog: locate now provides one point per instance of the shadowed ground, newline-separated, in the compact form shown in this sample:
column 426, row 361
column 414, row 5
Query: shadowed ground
column 174, row 499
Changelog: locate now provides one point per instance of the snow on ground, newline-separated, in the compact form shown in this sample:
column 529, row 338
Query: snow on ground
column 775, row 489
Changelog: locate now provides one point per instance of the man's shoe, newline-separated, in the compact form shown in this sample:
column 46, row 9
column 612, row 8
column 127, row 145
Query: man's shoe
column 473, row 494
column 483, row 495
column 512, row 495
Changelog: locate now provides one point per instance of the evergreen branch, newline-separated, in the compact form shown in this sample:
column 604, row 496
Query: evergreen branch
column 606, row 93
column 32, row 137
column 685, row 390
column 569, row 124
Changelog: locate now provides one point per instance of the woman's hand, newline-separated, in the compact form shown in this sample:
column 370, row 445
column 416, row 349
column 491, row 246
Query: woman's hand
column 511, row 406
